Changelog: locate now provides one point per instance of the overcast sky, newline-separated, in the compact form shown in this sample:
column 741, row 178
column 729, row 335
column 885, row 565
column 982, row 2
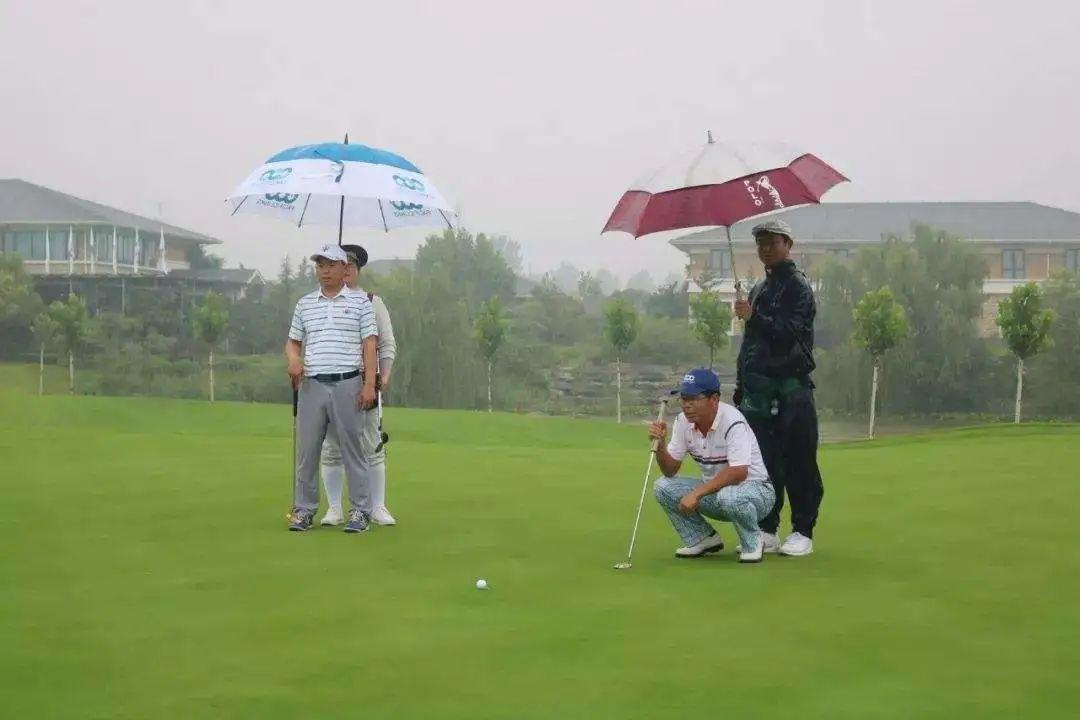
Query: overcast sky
column 533, row 118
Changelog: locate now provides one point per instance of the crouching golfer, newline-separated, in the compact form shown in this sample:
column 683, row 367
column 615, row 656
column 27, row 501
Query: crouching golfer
column 734, row 485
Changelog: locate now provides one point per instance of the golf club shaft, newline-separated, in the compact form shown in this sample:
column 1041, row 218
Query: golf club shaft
column 641, row 503
column 292, row 472
column 645, row 483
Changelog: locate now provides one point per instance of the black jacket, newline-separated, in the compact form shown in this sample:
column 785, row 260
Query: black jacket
column 779, row 337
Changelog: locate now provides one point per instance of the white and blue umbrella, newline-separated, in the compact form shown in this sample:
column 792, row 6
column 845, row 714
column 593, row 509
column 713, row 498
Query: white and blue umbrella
column 344, row 185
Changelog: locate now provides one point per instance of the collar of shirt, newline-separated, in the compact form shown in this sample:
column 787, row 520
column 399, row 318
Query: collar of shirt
column 341, row 293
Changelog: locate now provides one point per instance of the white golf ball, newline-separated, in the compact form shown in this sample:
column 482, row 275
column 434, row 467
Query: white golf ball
column 481, row 584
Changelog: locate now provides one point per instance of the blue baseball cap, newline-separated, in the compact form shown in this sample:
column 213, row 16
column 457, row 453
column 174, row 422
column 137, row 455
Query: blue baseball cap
column 699, row 381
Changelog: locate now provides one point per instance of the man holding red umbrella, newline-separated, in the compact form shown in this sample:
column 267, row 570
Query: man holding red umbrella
column 721, row 184
column 774, row 389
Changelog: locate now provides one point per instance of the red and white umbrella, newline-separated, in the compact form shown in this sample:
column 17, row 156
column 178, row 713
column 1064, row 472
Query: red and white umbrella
column 721, row 184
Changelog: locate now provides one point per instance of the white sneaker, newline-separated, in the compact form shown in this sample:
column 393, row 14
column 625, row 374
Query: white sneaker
column 382, row 516
column 796, row 544
column 770, row 543
column 755, row 555
column 332, row 517
column 711, row 544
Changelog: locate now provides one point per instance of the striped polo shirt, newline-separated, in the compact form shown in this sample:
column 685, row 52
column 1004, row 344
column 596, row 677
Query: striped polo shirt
column 729, row 442
column 332, row 329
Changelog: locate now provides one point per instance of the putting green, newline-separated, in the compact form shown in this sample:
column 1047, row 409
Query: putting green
column 147, row 573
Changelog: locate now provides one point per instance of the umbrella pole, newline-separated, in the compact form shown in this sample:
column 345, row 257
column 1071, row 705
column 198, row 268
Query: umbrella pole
column 340, row 220
column 731, row 254
column 341, row 210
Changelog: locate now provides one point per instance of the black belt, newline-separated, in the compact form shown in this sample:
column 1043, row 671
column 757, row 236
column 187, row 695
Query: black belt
column 334, row 377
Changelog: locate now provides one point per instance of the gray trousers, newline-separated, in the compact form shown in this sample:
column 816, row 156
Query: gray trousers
column 374, row 451
column 371, row 443
column 323, row 405
column 743, row 505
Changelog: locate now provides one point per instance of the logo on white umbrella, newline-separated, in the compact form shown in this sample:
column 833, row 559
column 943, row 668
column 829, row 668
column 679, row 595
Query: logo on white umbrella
column 276, row 175
column 408, row 209
column 413, row 184
column 280, row 201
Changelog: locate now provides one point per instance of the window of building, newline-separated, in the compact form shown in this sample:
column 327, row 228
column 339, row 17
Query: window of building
column 720, row 262
column 149, row 255
column 58, row 246
column 103, row 245
column 1072, row 259
column 125, row 248
column 842, row 253
column 82, row 245
column 1013, row 265
column 28, row 243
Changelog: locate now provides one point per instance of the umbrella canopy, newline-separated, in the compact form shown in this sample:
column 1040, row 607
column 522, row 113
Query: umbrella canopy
column 721, row 184
column 345, row 185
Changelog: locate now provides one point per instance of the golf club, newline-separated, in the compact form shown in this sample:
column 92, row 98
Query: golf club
column 292, row 471
column 641, row 501
column 384, row 437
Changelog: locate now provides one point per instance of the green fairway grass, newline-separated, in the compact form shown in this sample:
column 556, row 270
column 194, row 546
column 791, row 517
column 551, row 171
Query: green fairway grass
column 147, row 573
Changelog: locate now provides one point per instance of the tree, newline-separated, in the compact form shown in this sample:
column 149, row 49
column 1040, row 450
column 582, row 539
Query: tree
column 711, row 321
column 704, row 275
column 566, row 277
column 880, row 324
column 19, row 303
column 621, row 329
column 641, row 280
column 588, row 286
column 198, row 259
column 609, row 282
column 590, row 292
column 72, row 328
column 434, row 307
column 489, row 332
column 1025, row 325
column 836, row 290
column 556, row 316
column 470, row 263
column 1051, row 385
column 669, row 300
column 305, row 274
column 510, row 250
column 210, row 321
column 944, row 363
column 44, row 328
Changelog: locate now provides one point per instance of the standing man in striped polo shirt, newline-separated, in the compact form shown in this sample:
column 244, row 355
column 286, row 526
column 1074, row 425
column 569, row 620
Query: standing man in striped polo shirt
column 734, row 484
column 333, row 335
column 332, row 469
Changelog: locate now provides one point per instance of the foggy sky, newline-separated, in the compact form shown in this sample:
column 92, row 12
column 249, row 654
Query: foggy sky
column 533, row 118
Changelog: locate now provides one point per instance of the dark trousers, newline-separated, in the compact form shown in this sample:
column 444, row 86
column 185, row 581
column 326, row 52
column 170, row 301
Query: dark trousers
column 789, row 443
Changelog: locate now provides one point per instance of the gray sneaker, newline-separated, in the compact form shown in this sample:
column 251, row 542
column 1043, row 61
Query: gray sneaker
column 300, row 520
column 358, row 521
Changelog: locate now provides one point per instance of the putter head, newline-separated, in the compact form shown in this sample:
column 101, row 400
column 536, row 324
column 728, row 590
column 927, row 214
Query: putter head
column 623, row 565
